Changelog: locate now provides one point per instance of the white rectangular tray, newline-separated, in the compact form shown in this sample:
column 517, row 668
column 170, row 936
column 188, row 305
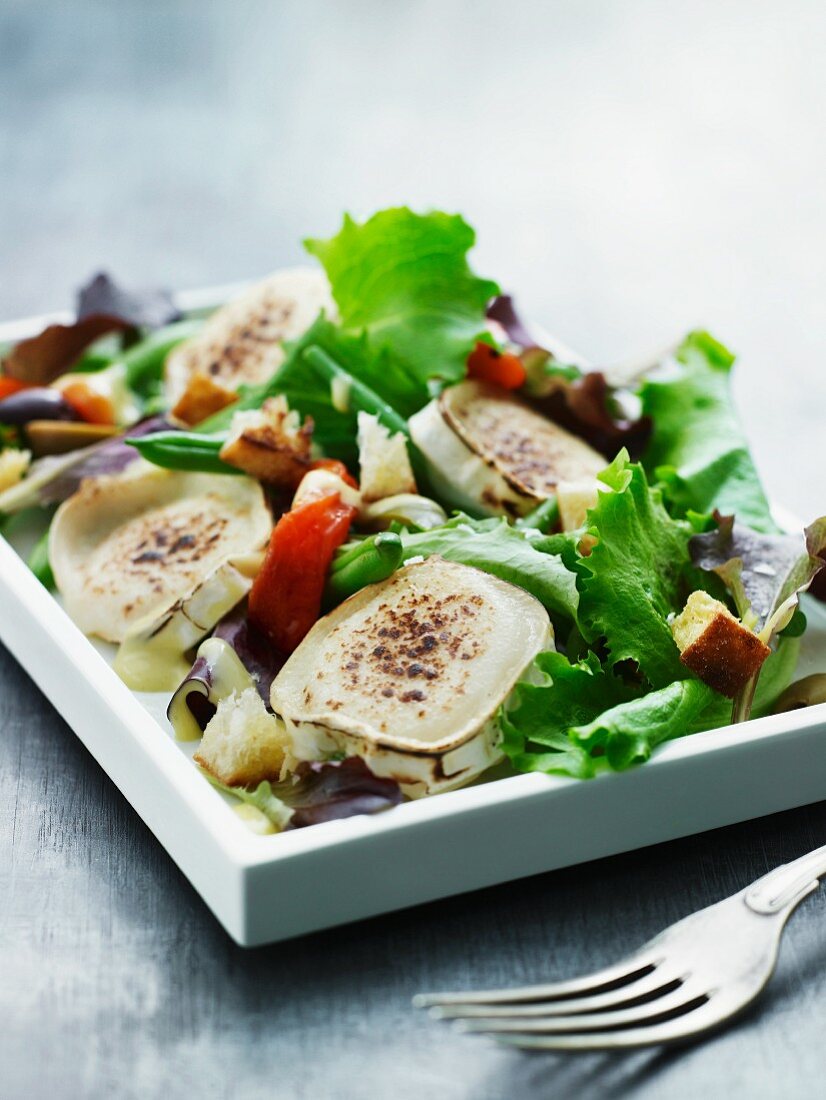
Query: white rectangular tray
column 269, row 888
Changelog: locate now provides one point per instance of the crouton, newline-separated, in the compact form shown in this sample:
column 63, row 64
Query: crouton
column 715, row 645
column 202, row 397
column 270, row 443
column 13, row 466
column 383, row 461
column 243, row 743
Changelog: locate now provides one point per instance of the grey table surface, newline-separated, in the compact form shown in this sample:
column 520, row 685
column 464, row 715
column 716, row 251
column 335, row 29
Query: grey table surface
column 634, row 169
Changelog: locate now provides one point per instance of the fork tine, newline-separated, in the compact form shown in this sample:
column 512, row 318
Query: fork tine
column 679, row 1002
column 663, row 979
column 625, row 972
column 703, row 1018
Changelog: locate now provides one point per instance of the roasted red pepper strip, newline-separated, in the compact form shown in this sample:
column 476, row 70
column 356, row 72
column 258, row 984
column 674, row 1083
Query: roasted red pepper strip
column 8, row 386
column 285, row 599
column 335, row 467
column 92, row 407
column 489, row 365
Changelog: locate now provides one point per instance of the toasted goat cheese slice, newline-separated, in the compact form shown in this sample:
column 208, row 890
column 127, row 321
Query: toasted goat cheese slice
column 409, row 674
column 489, row 452
column 152, row 655
column 242, row 341
column 127, row 546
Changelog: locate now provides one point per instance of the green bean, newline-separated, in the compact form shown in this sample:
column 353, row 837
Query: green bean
column 145, row 361
column 94, row 361
column 359, row 396
column 184, row 451
column 544, row 517
column 363, row 399
column 377, row 559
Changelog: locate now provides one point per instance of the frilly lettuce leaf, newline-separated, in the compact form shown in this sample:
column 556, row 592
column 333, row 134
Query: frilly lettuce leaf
column 632, row 579
column 542, row 711
column 403, row 280
column 698, row 449
column 579, row 719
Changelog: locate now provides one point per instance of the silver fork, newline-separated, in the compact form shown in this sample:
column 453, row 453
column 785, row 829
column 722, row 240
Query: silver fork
column 695, row 975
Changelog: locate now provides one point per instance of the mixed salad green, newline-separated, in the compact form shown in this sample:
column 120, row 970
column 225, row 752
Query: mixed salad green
column 678, row 506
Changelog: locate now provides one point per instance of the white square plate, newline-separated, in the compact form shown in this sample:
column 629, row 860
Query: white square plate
column 268, row 888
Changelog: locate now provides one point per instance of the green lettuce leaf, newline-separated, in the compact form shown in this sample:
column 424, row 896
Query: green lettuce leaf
column 490, row 544
column 579, row 719
column 263, row 798
column 403, row 279
column 538, row 719
column 495, row 547
column 632, row 579
column 698, row 449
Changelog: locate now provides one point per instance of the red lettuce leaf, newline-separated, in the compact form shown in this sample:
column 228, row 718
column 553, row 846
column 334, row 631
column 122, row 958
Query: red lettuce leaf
column 41, row 359
column 328, row 792
column 136, row 308
column 103, row 307
column 258, row 656
column 768, row 569
column 53, row 479
column 577, row 398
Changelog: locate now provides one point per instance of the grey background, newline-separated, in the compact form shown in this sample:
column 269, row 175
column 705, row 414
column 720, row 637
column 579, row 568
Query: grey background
column 633, row 169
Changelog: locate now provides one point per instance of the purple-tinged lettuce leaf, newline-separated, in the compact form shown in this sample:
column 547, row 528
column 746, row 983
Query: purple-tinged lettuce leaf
column 327, row 792
column 318, row 793
column 760, row 570
column 765, row 575
column 579, row 398
column 502, row 310
column 589, row 407
column 151, row 308
column 257, row 654
column 40, row 359
column 54, row 478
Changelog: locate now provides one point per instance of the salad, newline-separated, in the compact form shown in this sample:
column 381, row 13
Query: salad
column 378, row 536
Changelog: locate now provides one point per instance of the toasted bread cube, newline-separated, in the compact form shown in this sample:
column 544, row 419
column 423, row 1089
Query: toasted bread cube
column 13, row 466
column 715, row 645
column 270, row 443
column 202, row 397
column 243, row 743
column 383, row 461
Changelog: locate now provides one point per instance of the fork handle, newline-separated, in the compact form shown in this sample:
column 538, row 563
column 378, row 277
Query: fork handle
column 787, row 884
